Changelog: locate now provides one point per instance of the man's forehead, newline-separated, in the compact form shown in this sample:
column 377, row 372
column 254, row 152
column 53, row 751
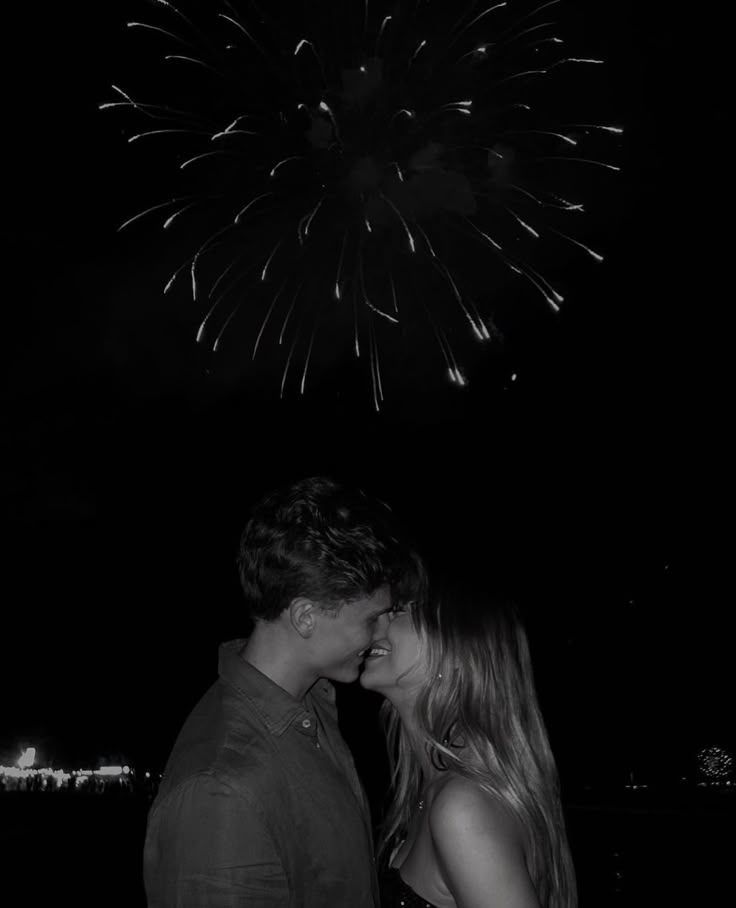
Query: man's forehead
column 378, row 603
column 382, row 598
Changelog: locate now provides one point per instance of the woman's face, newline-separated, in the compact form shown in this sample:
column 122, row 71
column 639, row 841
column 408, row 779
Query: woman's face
column 396, row 664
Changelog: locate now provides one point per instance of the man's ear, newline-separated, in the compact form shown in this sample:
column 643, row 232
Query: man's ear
column 302, row 616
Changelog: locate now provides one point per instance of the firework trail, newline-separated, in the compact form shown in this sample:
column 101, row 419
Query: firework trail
column 361, row 172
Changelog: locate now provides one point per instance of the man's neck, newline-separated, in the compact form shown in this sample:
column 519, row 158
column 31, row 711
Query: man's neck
column 269, row 651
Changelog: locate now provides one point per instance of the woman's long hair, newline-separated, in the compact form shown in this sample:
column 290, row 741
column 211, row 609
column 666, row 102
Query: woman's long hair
column 480, row 719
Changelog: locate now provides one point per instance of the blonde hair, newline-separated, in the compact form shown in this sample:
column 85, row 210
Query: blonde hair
column 479, row 718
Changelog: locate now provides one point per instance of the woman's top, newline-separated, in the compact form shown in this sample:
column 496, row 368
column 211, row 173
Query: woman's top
column 395, row 893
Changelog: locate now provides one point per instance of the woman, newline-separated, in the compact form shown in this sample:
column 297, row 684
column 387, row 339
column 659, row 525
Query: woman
column 476, row 819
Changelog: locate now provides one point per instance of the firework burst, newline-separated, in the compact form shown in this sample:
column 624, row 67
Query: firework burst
column 363, row 173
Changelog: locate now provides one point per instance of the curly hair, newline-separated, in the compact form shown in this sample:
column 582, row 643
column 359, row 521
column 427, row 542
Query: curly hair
column 321, row 539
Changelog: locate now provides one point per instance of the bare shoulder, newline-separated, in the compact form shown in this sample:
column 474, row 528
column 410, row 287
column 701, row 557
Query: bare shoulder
column 462, row 808
column 479, row 844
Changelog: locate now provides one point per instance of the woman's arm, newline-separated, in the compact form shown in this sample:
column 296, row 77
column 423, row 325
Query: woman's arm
column 479, row 849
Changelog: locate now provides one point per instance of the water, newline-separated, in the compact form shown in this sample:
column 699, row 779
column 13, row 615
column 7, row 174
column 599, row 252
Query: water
column 654, row 853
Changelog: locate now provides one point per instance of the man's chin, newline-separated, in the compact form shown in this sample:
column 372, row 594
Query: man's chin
column 366, row 680
column 345, row 674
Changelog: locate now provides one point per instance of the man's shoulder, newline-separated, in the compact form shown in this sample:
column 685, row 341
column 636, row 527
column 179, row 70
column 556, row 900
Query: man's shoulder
column 246, row 774
column 218, row 745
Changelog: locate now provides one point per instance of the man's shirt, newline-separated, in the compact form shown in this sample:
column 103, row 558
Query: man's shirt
column 260, row 804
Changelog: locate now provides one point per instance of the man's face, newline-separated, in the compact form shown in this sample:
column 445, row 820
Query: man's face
column 345, row 637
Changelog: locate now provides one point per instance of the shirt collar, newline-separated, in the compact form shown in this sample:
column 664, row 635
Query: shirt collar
column 277, row 708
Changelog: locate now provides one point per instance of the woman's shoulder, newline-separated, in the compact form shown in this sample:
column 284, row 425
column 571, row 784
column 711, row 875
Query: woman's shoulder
column 463, row 810
column 479, row 845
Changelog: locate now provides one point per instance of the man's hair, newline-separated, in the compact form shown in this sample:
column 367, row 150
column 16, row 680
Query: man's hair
column 326, row 541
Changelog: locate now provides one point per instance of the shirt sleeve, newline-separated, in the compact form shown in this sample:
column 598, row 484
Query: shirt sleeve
column 207, row 847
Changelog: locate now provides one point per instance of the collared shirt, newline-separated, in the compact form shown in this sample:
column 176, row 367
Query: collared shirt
column 260, row 804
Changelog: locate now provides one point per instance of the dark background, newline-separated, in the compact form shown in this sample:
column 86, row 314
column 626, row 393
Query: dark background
column 596, row 484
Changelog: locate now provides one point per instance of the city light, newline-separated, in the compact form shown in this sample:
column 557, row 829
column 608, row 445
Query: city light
column 27, row 758
column 25, row 776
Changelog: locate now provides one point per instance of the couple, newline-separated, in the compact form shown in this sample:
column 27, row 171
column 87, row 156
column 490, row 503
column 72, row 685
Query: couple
column 260, row 804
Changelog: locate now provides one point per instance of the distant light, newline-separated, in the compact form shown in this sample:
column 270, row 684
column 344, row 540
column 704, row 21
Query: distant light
column 148, row 775
column 59, row 775
column 27, row 758
column 126, row 770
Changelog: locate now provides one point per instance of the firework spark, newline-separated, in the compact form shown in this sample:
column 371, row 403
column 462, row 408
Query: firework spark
column 384, row 165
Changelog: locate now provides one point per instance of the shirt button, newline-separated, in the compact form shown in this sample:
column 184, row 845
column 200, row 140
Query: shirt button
column 306, row 723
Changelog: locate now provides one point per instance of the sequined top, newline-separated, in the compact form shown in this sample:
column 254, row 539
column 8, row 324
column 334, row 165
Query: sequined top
column 395, row 893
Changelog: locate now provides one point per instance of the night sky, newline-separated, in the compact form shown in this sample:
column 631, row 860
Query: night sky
column 596, row 485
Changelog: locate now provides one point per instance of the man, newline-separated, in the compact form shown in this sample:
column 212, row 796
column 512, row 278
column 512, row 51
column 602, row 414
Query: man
column 260, row 804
